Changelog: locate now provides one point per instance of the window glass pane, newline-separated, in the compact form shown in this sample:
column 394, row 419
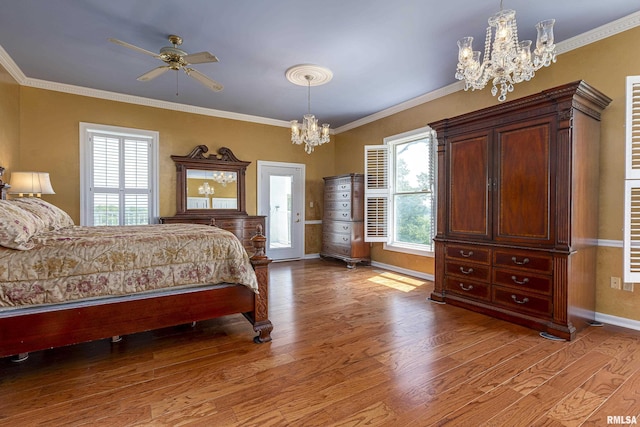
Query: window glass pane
column 413, row 218
column 280, row 191
column 106, row 209
column 136, row 209
column 412, row 166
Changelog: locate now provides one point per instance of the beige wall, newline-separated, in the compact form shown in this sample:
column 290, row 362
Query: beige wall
column 49, row 141
column 9, row 123
column 604, row 65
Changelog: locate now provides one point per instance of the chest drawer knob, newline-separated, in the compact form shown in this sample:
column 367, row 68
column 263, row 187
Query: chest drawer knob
column 466, row 254
column 463, row 271
column 522, row 301
column 466, row 288
column 523, row 262
column 520, row 282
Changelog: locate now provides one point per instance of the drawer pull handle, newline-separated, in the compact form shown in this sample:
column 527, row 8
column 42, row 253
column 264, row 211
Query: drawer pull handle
column 345, row 195
column 345, row 205
column 463, row 271
column 466, row 255
column 465, row 288
column 523, row 262
column 345, row 227
column 346, row 239
column 523, row 301
column 523, row 282
column 345, row 215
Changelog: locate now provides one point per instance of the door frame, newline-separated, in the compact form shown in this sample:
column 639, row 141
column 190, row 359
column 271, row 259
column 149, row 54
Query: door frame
column 302, row 167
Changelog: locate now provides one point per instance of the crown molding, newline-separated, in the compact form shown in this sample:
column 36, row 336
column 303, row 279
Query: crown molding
column 138, row 100
column 12, row 68
column 602, row 32
column 611, row 29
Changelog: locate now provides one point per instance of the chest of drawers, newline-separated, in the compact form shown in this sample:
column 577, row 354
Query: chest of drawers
column 343, row 219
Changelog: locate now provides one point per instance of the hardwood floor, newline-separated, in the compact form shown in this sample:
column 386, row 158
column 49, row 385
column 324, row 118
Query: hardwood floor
column 350, row 347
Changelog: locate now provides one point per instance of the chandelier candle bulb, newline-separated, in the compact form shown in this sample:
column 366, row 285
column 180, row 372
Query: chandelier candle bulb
column 508, row 61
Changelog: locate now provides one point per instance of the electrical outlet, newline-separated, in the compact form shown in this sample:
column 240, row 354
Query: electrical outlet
column 615, row 283
column 628, row 286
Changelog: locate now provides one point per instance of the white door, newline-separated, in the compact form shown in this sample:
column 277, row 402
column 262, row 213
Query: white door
column 281, row 200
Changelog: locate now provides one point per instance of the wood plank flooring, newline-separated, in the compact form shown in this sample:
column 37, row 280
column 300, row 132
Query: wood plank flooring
column 350, row 348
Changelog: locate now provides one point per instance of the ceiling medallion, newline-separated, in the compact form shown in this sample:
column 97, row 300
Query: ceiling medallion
column 308, row 132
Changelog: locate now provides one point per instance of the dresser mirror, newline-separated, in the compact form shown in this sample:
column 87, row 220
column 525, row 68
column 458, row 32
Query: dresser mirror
column 211, row 184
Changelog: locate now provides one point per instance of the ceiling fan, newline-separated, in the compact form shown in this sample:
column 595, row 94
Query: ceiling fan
column 176, row 59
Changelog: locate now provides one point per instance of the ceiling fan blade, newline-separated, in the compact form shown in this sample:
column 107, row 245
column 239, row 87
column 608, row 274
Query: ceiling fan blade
column 211, row 84
column 153, row 73
column 130, row 46
column 200, row 58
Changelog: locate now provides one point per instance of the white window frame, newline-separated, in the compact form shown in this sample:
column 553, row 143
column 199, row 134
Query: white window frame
column 86, row 131
column 388, row 194
column 631, row 239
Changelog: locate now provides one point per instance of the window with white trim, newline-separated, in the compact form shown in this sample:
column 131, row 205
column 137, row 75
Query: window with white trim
column 631, row 240
column 119, row 175
column 400, row 199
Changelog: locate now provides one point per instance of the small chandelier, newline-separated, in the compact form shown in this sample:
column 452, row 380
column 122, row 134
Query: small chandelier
column 308, row 132
column 206, row 189
column 508, row 61
column 224, row 179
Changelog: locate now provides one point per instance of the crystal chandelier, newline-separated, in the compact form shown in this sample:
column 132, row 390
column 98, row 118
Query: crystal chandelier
column 206, row 189
column 308, row 132
column 507, row 61
column 224, row 179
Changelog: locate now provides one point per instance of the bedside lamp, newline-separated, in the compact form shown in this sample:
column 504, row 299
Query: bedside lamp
column 31, row 183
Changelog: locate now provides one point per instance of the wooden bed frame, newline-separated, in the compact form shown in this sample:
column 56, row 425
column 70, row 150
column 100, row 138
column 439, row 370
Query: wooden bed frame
column 24, row 331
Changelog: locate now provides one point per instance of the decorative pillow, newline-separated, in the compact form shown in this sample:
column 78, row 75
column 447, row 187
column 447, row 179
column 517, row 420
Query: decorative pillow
column 17, row 226
column 52, row 216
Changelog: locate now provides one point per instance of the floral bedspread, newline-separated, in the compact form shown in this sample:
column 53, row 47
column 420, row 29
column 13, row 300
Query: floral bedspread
column 78, row 262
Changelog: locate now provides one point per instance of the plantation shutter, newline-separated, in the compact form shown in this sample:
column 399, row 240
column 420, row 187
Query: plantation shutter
column 376, row 194
column 120, row 189
column 631, row 240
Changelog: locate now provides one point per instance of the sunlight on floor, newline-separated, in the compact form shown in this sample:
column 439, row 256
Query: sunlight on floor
column 396, row 281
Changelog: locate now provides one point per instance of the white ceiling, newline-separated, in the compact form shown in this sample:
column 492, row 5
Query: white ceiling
column 382, row 53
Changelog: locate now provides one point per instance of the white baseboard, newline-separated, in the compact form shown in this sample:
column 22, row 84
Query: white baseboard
column 311, row 256
column 618, row 321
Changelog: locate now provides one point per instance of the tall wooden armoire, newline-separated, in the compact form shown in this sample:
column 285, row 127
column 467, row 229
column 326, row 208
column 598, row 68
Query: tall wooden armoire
column 518, row 209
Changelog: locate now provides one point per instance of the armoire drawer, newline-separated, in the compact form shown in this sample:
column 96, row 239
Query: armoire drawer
column 531, row 261
column 338, row 215
column 337, row 196
column 338, row 205
column 523, row 280
column 338, row 227
column 336, row 249
column 468, row 270
column 468, row 288
column 522, row 301
column 469, row 253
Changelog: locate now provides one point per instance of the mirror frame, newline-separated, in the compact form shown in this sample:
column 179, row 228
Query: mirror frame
column 224, row 161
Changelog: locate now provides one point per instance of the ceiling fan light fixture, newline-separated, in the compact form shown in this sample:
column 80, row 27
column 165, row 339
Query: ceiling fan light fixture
column 308, row 132
column 176, row 59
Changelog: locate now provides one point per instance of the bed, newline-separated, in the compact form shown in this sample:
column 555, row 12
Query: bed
column 62, row 284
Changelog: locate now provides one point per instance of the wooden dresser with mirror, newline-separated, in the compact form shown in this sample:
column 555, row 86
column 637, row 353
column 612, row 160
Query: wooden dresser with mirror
column 210, row 189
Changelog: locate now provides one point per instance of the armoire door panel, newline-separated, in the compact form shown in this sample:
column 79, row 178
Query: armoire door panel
column 523, row 190
column 469, row 190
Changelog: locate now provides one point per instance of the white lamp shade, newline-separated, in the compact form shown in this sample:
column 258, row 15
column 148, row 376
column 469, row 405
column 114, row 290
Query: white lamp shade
column 30, row 183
